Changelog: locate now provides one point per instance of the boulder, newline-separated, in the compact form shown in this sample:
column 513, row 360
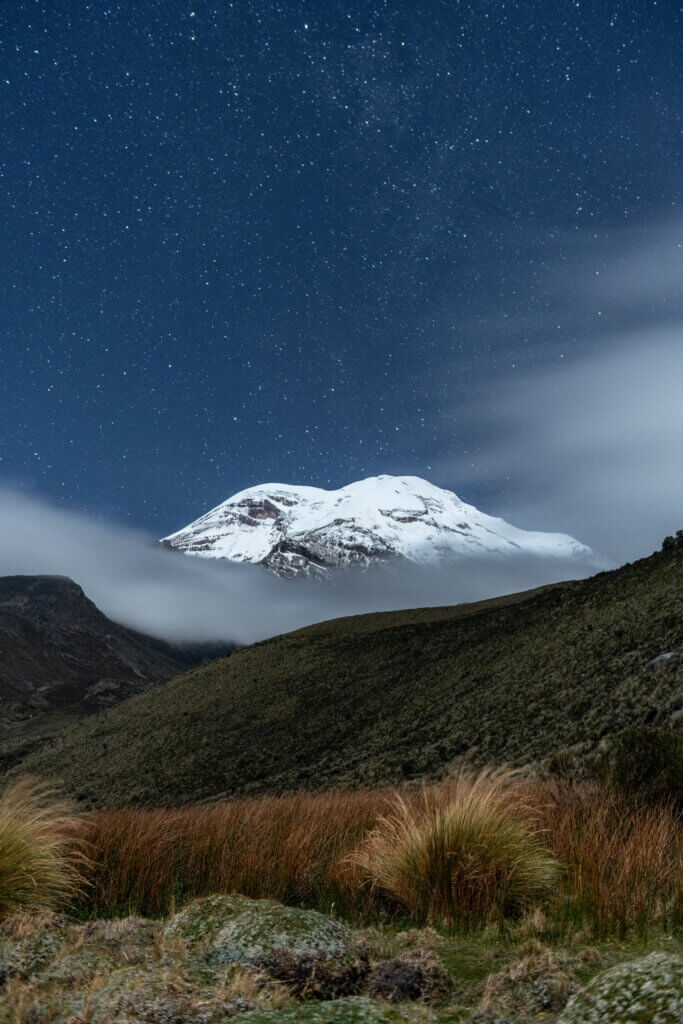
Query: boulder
column 667, row 660
column 28, row 944
column 313, row 955
column 644, row 991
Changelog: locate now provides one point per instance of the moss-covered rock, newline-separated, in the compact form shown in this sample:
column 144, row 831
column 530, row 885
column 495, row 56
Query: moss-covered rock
column 134, row 995
column 313, row 955
column 72, row 955
column 354, row 1010
column 108, row 972
column 645, row 991
column 28, row 944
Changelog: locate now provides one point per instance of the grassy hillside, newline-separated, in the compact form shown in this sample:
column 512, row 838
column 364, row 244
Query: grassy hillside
column 375, row 699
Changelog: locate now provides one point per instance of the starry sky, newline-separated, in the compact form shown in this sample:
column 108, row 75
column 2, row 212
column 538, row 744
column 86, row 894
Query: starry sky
column 250, row 241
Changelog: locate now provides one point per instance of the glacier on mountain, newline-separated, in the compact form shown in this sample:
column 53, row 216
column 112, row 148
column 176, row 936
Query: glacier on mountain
column 309, row 531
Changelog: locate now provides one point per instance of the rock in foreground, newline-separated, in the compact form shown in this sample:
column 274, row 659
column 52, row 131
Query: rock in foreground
column 645, row 991
column 311, row 954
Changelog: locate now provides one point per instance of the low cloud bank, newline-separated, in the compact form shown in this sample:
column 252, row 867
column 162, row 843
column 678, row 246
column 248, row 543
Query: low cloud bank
column 140, row 584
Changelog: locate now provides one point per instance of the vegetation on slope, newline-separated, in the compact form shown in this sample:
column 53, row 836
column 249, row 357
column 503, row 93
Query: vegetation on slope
column 377, row 699
column 61, row 659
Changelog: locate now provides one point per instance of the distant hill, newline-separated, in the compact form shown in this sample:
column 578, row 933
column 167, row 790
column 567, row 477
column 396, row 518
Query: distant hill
column 396, row 695
column 61, row 659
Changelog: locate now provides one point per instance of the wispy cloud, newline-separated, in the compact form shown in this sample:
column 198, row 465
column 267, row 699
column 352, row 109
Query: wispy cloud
column 587, row 435
column 593, row 447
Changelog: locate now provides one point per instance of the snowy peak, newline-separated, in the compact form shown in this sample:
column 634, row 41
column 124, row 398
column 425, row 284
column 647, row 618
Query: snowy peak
column 304, row 531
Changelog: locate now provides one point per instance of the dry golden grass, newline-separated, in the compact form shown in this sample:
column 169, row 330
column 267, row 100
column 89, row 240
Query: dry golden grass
column 287, row 848
column 466, row 857
column 542, row 979
column 623, row 862
column 621, row 865
column 40, row 854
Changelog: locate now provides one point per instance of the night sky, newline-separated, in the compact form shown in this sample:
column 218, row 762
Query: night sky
column 245, row 242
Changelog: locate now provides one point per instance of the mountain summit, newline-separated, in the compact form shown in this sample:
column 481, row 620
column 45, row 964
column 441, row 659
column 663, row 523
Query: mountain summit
column 308, row 531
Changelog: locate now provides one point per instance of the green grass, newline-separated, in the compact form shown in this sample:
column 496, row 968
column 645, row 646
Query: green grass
column 379, row 699
column 471, row 958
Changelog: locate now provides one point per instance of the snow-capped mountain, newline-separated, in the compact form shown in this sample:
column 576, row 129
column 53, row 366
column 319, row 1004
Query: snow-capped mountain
column 308, row 531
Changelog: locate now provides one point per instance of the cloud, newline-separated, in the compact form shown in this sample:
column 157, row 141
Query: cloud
column 140, row 584
column 592, row 446
column 583, row 431
column 644, row 270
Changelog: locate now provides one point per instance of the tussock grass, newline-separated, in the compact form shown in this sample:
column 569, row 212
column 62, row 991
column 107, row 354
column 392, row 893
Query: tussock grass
column 459, row 856
column 621, row 866
column 41, row 857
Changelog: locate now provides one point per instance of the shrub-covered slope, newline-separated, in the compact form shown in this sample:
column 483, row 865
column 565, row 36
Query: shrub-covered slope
column 62, row 659
column 380, row 698
column 55, row 643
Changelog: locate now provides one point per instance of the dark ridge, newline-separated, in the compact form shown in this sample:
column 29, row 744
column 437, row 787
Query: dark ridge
column 62, row 659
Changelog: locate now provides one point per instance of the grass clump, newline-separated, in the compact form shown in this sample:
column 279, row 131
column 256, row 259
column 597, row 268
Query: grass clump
column 40, row 856
column 463, row 861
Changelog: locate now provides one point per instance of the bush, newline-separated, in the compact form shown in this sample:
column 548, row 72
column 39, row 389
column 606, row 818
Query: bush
column 39, row 852
column 647, row 764
column 462, row 862
column 419, row 974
